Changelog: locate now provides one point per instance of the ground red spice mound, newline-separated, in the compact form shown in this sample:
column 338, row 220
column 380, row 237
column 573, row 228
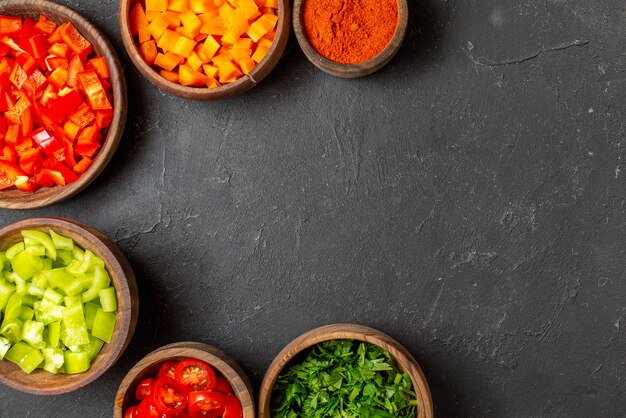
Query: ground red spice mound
column 350, row 31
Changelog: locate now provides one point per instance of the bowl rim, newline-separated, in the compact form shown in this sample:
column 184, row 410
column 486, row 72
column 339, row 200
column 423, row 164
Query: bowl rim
column 246, row 82
column 123, row 279
column 215, row 357
column 350, row 70
column 44, row 197
column 346, row 331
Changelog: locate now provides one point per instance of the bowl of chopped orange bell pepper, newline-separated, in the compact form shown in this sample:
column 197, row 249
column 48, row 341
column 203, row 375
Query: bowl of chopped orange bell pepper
column 205, row 49
column 62, row 103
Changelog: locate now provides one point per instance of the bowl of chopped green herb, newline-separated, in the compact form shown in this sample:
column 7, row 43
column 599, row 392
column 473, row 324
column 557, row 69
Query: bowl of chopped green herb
column 345, row 370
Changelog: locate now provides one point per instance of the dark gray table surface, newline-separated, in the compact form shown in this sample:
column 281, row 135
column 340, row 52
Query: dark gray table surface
column 468, row 199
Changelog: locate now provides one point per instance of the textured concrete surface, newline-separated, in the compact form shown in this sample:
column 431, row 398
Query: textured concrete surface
column 468, row 199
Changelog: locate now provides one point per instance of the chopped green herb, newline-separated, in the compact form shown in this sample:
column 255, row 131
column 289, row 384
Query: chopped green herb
column 344, row 379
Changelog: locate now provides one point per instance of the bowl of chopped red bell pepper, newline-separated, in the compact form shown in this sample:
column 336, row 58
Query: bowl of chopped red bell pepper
column 185, row 379
column 62, row 103
column 205, row 49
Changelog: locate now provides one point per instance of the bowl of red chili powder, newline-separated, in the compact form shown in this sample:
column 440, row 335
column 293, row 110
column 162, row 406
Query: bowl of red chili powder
column 350, row 38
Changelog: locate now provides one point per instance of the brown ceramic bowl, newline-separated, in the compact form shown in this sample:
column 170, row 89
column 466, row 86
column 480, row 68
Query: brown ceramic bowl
column 41, row 382
column 404, row 361
column 350, row 70
column 150, row 364
column 15, row 199
column 225, row 91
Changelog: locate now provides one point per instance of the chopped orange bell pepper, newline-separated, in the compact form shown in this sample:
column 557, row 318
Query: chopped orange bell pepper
column 148, row 51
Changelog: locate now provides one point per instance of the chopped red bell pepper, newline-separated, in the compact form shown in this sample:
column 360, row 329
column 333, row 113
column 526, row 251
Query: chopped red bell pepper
column 82, row 116
column 82, row 166
column 96, row 95
column 45, row 26
column 52, row 112
column 10, row 25
column 100, row 65
column 75, row 40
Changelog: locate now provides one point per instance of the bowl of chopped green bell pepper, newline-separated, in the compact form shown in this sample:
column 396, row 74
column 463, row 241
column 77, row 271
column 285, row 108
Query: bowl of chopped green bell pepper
column 345, row 370
column 68, row 305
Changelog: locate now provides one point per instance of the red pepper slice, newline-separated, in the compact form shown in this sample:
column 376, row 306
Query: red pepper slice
column 65, row 105
column 31, row 161
column 59, row 50
column 10, row 25
column 75, row 66
column 28, row 31
column 14, row 114
column 206, row 404
column 8, row 174
column 18, row 76
column 104, row 118
column 7, row 153
column 195, row 374
column 45, row 26
column 169, row 396
column 100, row 65
column 49, row 144
column 34, row 82
column 91, row 85
column 24, row 184
column 75, row 40
column 43, row 179
column 56, row 177
column 39, row 46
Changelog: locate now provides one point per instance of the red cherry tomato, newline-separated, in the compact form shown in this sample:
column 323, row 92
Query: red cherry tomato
column 146, row 409
column 169, row 396
column 206, row 404
column 195, row 374
column 144, row 389
column 167, row 369
column 222, row 386
column 131, row 412
column 232, row 407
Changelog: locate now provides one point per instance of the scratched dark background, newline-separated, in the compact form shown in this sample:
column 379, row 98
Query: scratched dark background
column 468, row 199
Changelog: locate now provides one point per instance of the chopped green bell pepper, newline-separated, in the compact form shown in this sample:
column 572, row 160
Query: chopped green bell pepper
column 6, row 290
column 26, row 265
column 14, row 250
column 25, row 356
column 101, row 280
column 36, row 250
column 26, row 314
column 108, row 299
column 32, row 333
column 5, row 344
column 47, row 311
column 74, row 330
column 60, row 242
column 54, row 359
column 95, row 345
column 103, row 325
column 76, row 362
column 4, row 261
column 91, row 309
column 43, row 239
column 54, row 334
column 53, row 296
column 12, row 329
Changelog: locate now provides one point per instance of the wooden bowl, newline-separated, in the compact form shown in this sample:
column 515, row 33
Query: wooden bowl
column 15, row 199
column 204, row 93
column 41, row 382
column 150, row 364
column 404, row 361
column 350, row 70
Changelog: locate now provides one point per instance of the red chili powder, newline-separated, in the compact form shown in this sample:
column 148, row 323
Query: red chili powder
column 350, row 31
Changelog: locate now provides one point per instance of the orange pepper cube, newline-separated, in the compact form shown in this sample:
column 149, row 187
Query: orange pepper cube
column 206, row 17
column 222, row 59
column 158, row 26
column 174, row 18
column 148, row 51
column 210, row 47
column 271, row 3
column 214, row 27
column 250, row 9
column 194, row 61
column 260, row 53
column 187, row 76
column 240, row 53
column 244, row 43
column 139, row 23
column 202, row 6
column 156, row 5
column 179, row 6
column 184, row 47
column 261, row 26
column 212, row 83
column 167, row 61
column 246, row 64
column 225, row 11
column 228, row 72
column 236, row 25
column 168, row 40
column 169, row 75
column 210, row 70
column 191, row 22
column 152, row 14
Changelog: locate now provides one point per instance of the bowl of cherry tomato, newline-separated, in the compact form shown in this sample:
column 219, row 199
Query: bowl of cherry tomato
column 62, row 103
column 185, row 380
